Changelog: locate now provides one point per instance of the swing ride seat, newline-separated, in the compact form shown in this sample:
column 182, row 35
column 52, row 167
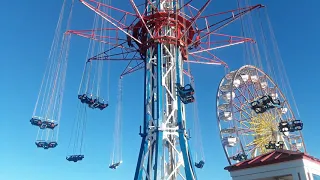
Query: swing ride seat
column 297, row 125
column 240, row 157
column 259, row 110
column 280, row 145
column 49, row 125
column 115, row 165
column 35, row 121
column 52, row 144
column 264, row 103
column 200, row 164
column 265, row 100
column 185, row 91
column 42, row 144
column 95, row 104
column 271, row 145
column 103, row 105
column 98, row 104
column 90, row 101
column 46, row 145
column 83, row 98
column 75, row 158
column 258, row 107
column 187, row 100
column 284, row 126
column 269, row 102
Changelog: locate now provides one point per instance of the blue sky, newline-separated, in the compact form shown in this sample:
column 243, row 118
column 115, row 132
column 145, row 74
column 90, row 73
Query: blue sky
column 26, row 35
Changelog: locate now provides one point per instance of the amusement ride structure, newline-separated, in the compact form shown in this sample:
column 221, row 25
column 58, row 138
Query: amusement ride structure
column 162, row 38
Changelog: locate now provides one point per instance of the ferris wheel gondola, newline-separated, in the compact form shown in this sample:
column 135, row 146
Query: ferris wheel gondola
column 254, row 117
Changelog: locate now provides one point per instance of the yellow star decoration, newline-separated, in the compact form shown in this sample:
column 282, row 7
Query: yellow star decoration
column 264, row 127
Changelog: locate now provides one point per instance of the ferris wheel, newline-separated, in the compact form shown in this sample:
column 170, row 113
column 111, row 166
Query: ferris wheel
column 254, row 117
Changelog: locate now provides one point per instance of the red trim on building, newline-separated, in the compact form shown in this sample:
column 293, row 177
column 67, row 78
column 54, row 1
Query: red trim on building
column 272, row 157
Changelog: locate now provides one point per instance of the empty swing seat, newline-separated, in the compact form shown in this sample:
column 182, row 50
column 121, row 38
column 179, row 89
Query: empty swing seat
column 46, row 145
column 75, row 158
column 42, row 144
column 185, row 91
column 115, row 165
column 52, row 144
column 200, row 164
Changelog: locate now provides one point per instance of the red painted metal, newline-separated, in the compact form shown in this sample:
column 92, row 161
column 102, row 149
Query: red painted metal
column 194, row 43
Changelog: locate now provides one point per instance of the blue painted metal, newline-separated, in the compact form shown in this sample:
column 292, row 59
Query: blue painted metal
column 156, row 104
column 147, row 117
column 144, row 145
column 159, row 112
column 186, row 153
column 147, row 96
column 159, row 107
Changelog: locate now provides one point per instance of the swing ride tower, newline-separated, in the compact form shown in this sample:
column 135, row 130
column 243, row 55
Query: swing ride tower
column 162, row 36
column 164, row 151
column 165, row 36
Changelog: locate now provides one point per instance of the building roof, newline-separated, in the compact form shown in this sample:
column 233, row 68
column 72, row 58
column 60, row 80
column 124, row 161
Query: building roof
column 272, row 157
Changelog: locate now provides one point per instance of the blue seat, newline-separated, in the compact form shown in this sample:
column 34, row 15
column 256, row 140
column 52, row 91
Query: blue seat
column 75, row 158
column 271, row 145
column 41, row 144
column 264, row 103
column 297, row 125
column 35, row 122
column 103, row 106
column 200, row 164
column 286, row 126
column 49, row 125
column 52, row 144
column 187, row 100
column 115, row 165
column 240, row 157
column 185, row 91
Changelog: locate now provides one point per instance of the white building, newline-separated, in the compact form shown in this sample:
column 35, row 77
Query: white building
column 277, row 165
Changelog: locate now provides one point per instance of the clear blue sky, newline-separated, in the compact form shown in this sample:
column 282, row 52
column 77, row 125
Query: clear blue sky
column 25, row 38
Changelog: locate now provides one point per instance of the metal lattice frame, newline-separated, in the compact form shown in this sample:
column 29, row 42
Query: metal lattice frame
column 251, row 130
column 164, row 150
column 164, row 38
